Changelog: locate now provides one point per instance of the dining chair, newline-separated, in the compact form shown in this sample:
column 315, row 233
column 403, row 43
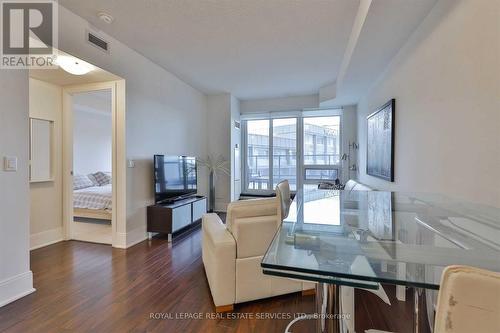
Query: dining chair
column 468, row 301
column 283, row 195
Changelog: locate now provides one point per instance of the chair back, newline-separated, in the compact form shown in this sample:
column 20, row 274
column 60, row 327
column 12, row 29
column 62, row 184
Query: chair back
column 468, row 301
column 283, row 196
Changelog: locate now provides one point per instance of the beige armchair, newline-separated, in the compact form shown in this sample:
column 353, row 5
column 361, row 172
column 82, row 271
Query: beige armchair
column 232, row 253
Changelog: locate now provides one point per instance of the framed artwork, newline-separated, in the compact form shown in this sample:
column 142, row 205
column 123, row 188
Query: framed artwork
column 380, row 145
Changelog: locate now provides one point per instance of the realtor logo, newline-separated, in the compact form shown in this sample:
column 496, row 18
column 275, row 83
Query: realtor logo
column 29, row 33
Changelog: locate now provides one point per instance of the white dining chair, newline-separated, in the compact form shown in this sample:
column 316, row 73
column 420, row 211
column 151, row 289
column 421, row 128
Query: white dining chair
column 468, row 301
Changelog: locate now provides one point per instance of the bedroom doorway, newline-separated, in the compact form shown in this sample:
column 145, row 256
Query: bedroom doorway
column 94, row 162
column 92, row 166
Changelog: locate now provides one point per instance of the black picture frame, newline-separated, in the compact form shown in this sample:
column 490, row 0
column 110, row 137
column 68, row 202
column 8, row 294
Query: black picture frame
column 380, row 142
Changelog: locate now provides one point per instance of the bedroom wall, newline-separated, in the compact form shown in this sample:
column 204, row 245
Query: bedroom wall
column 163, row 114
column 92, row 134
column 46, row 227
column 16, row 279
column 446, row 82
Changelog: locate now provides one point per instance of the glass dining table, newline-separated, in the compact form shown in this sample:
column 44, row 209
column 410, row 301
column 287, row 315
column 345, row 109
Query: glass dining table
column 365, row 238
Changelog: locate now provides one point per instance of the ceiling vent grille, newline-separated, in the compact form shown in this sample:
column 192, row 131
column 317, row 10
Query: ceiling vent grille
column 98, row 42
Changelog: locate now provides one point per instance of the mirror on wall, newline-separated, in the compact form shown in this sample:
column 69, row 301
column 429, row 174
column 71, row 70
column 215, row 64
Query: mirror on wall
column 41, row 150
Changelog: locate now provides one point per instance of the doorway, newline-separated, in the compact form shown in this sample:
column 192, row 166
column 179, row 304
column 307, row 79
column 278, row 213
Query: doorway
column 94, row 182
column 51, row 152
column 92, row 166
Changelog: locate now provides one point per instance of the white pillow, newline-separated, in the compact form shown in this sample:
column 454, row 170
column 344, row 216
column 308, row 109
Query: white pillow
column 81, row 182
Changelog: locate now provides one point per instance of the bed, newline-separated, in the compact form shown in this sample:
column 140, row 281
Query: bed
column 93, row 202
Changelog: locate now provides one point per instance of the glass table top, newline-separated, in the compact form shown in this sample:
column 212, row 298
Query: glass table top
column 360, row 238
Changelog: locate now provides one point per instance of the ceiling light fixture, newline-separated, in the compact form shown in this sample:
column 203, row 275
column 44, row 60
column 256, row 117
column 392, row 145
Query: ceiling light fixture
column 105, row 17
column 74, row 65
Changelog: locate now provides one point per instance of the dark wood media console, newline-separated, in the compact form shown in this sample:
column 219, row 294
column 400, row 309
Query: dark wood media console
column 172, row 217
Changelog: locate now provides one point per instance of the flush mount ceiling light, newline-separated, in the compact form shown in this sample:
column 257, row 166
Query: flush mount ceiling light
column 74, row 65
column 105, row 17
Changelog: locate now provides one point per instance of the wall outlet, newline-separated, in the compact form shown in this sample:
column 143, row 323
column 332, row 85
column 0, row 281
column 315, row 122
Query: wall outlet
column 10, row 163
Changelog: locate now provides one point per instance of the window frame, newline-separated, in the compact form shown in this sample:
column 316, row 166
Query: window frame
column 337, row 167
column 300, row 167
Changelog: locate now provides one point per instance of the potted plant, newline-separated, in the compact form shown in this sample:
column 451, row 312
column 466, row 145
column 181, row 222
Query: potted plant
column 214, row 165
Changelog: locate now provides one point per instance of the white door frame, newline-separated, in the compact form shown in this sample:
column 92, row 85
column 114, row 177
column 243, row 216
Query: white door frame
column 118, row 223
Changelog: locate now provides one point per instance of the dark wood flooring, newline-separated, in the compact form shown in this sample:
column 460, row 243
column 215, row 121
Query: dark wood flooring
column 87, row 287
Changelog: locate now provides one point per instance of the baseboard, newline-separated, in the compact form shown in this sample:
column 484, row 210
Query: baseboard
column 46, row 238
column 135, row 236
column 16, row 287
column 129, row 239
column 120, row 240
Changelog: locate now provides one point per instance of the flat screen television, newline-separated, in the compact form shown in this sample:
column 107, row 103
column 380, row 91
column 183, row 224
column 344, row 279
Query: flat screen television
column 175, row 177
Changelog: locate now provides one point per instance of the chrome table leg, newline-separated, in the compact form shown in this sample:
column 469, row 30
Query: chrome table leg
column 328, row 308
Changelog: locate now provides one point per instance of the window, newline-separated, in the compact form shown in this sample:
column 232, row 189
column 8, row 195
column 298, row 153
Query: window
column 273, row 153
column 322, row 149
column 258, row 155
column 285, row 151
column 322, row 144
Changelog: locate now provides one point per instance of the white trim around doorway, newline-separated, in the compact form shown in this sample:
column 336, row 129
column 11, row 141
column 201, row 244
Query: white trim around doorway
column 118, row 223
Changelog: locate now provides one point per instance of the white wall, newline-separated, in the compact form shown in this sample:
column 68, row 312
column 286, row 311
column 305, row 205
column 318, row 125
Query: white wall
column 92, row 139
column 293, row 103
column 16, row 279
column 446, row 82
column 46, row 227
column 349, row 135
column 235, row 141
column 219, row 143
column 224, row 110
column 163, row 115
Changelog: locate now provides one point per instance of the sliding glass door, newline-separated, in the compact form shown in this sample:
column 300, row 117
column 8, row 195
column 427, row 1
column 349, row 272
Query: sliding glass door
column 321, row 149
column 284, row 150
column 305, row 150
column 257, row 168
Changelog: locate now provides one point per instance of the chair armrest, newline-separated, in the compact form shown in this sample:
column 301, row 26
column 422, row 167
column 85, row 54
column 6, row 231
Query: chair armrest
column 219, row 259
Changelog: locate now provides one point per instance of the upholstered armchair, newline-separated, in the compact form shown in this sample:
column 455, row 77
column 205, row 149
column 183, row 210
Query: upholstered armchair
column 232, row 253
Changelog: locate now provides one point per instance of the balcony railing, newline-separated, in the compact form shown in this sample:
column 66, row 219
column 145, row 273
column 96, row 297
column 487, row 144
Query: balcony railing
column 284, row 167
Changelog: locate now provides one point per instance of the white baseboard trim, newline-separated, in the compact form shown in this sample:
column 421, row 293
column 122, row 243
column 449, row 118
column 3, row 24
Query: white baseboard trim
column 136, row 236
column 120, row 240
column 16, row 287
column 129, row 239
column 46, row 238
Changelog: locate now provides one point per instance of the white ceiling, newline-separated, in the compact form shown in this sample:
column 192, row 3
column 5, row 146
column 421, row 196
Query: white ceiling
column 260, row 48
column 60, row 77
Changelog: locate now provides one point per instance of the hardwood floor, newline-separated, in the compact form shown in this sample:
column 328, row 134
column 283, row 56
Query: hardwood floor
column 87, row 287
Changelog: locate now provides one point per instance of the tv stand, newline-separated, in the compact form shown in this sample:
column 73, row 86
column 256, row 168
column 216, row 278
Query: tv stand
column 172, row 217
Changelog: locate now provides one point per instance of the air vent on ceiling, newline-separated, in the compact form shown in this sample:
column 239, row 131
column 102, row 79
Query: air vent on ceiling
column 97, row 42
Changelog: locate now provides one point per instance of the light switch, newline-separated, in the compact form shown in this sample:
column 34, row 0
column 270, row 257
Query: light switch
column 10, row 163
column 131, row 163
